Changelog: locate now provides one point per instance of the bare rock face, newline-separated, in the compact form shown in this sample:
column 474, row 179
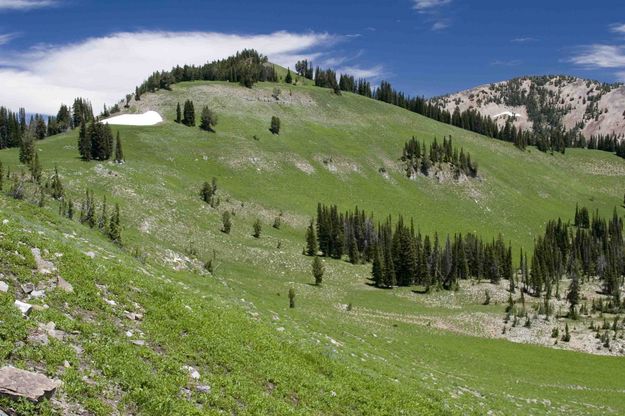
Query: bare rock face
column 16, row 383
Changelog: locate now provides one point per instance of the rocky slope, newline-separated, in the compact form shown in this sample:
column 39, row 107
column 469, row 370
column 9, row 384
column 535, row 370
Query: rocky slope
column 547, row 101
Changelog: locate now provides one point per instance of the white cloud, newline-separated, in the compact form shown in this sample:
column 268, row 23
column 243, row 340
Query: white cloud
column 524, row 39
column 440, row 25
column 359, row 72
column 426, row 5
column 104, row 69
column 600, row 56
column 6, row 38
column 26, row 4
column 618, row 28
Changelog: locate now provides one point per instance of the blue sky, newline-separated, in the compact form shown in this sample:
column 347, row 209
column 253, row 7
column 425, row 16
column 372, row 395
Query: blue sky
column 51, row 50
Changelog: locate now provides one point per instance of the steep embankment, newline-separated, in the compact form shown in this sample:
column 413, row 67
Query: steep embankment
column 254, row 355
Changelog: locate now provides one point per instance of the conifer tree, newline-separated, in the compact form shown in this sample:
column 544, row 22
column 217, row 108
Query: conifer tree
column 208, row 119
column 137, row 94
column 103, row 220
column 226, row 222
column 317, row 270
column 42, row 197
column 573, row 294
column 84, row 142
column 257, row 228
column 377, row 272
column 57, row 186
column 114, row 231
column 188, row 114
column 311, row 240
column 27, row 149
column 291, row 298
column 289, row 78
column 35, row 169
column 274, row 128
column 178, row 113
column 119, row 152
column 1, row 176
column 70, row 209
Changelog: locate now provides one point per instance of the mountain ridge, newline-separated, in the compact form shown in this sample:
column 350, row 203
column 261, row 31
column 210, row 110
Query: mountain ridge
column 541, row 102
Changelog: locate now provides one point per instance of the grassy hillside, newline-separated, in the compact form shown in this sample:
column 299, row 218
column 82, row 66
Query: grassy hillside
column 388, row 352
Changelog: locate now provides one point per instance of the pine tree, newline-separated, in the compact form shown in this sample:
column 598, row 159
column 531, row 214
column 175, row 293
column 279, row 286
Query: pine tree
column 70, row 209
column 84, row 142
column 208, row 119
column 289, row 78
column 35, row 169
column 311, row 240
column 257, row 228
column 317, row 270
column 1, row 176
column 275, row 125
column 114, row 231
column 27, row 149
column 188, row 114
column 178, row 114
column 226, row 222
column 377, row 272
column 119, row 152
column 137, row 94
column 42, row 197
column 573, row 294
column 57, row 186
column 291, row 298
column 103, row 220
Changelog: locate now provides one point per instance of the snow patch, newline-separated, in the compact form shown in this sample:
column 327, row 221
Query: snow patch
column 507, row 113
column 148, row 118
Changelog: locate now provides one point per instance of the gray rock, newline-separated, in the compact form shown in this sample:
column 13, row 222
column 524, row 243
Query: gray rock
column 16, row 383
column 202, row 388
column 38, row 294
column 50, row 329
column 4, row 287
column 64, row 285
column 139, row 342
column 28, row 288
column 133, row 316
column 24, row 307
column 38, row 338
column 43, row 266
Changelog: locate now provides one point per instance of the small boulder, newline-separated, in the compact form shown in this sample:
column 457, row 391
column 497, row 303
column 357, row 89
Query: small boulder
column 24, row 307
column 16, row 383
column 4, row 287
column 37, row 294
column 28, row 288
column 203, row 388
column 64, row 285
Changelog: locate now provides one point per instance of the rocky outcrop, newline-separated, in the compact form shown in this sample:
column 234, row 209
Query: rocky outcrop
column 16, row 384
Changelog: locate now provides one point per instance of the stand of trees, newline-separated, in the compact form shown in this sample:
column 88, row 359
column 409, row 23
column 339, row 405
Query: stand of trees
column 246, row 67
column 417, row 158
column 587, row 250
column 96, row 141
column 400, row 255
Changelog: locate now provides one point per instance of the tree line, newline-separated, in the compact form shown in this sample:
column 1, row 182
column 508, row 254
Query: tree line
column 401, row 255
column 246, row 68
column 417, row 159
